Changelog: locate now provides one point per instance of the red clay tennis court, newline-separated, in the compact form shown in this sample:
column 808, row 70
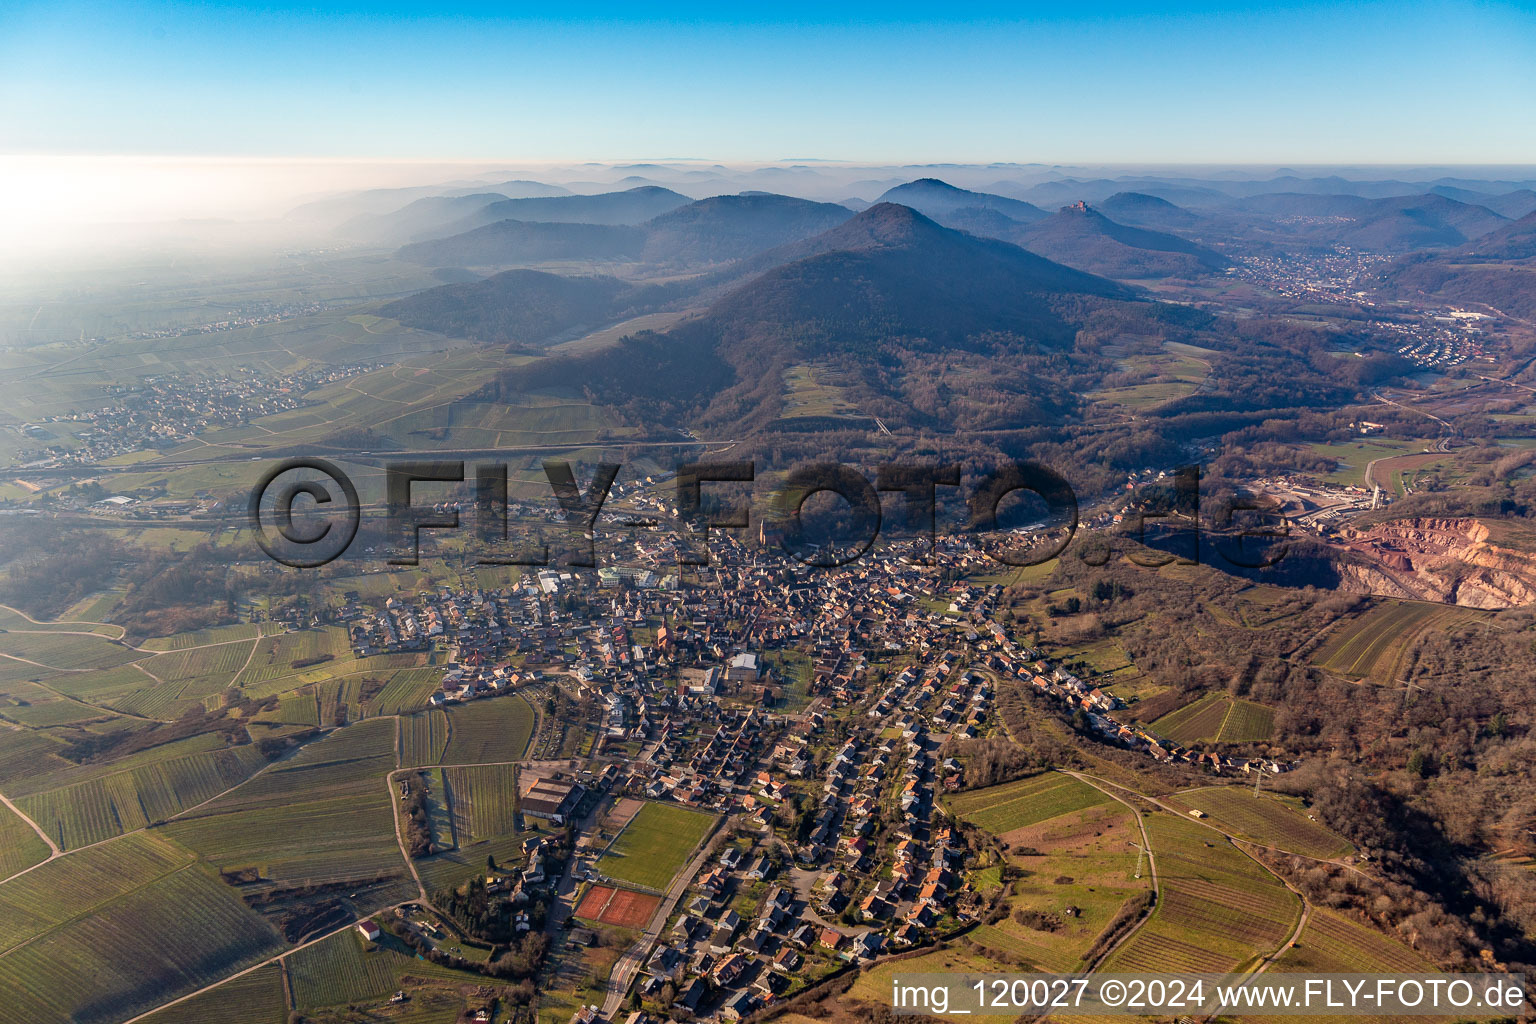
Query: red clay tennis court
column 623, row 908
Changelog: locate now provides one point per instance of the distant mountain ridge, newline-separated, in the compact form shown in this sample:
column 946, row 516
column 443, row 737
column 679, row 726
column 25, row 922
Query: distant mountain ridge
column 1080, row 236
column 940, row 201
column 525, row 307
column 891, row 269
column 888, row 280
column 1497, row 271
column 715, row 230
column 724, row 228
column 1394, row 224
column 1140, row 210
column 516, row 241
column 1515, row 241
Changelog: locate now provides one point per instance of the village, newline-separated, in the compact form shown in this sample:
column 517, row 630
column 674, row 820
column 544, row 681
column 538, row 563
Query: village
column 168, row 410
column 808, row 709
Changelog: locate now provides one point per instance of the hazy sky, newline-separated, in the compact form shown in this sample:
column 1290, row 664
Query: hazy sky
column 1311, row 83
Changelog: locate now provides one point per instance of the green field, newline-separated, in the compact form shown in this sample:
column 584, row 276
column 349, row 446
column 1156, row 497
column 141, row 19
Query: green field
column 323, row 815
column 138, row 917
column 97, row 686
column 253, row 998
column 423, row 738
column 406, row 690
column 340, row 970
column 204, row 637
column 20, row 846
column 1352, row 457
column 1266, row 819
column 1162, row 377
column 1013, row 805
column 1218, row 909
column 489, row 730
column 12, row 620
column 483, row 801
column 97, row 809
column 27, row 755
column 655, row 845
column 1085, row 860
column 1217, row 718
column 43, row 709
column 874, row 985
column 66, row 651
column 1372, row 646
column 272, row 664
column 1331, row 943
column 809, row 392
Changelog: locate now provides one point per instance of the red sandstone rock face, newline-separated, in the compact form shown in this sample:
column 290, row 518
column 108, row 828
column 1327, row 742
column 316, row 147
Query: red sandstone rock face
column 1446, row 560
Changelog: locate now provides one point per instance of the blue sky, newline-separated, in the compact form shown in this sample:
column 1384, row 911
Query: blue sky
column 1120, row 83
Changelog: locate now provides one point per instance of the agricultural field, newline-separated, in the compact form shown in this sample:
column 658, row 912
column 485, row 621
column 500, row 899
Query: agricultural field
column 275, row 657
column 214, row 666
column 1352, row 457
column 205, row 637
column 323, row 815
column 1331, row 942
column 343, row 970
column 20, row 846
column 1218, row 909
column 301, row 707
column 538, row 418
column 484, row 800
column 808, row 391
column 43, row 710
column 97, row 809
column 339, row 701
column 339, row 969
column 1014, row 805
column 26, row 754
column 139, row 939
column 1085, row 860
column 489, row 730
column 97, row 686
column 453, row 868
column 406, row 690
column 1266, row 819
column 12, row 620
column 66, row 652
column 439, row 815
column 94, row 609
column 1373, row 646
column 1217, row 718
column 423, row 738
column 67, row 773
column 874, row 985
column 1177, row 372
column 72, row 886
column 253, row 998
column 655, row 845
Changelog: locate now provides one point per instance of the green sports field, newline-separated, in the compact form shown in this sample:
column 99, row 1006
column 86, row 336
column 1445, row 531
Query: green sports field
column 655, row 845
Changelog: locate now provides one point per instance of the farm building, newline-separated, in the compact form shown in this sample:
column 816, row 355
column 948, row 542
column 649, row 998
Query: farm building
column 552, row 800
